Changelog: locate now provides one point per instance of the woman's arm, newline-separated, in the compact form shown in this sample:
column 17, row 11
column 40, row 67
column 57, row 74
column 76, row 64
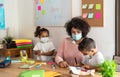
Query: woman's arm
column 59, row 56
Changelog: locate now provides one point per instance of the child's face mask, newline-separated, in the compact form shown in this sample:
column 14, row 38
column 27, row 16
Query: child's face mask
column 77, row 36
column 44, row 39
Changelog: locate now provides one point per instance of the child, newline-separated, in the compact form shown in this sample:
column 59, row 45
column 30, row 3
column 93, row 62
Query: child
column 93, row 58
column 44, row 49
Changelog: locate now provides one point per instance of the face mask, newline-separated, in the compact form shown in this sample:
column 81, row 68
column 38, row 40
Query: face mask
column 77, row 36
column 44, row 39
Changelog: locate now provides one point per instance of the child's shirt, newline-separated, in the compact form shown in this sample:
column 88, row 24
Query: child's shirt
column 94, row 60
column 44, row 47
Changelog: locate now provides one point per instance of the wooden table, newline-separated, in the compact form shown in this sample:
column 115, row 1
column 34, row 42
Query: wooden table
column 14, row 71
column 16, row 51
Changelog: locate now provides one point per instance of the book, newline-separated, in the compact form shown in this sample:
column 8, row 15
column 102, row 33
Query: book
column 32, row 73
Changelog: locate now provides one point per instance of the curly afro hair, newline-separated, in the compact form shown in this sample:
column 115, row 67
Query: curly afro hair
column 77, row 23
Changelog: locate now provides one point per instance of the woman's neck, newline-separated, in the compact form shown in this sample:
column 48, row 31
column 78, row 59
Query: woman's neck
column 78, row 41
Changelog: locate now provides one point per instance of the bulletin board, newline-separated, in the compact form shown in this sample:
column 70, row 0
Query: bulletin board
column 92, row 12
column 2, row 16
column 52, row 12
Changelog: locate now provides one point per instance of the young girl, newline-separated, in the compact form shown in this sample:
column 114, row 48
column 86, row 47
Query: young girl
column 44, row 49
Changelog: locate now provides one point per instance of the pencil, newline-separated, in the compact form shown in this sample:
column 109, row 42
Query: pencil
column 75, row 60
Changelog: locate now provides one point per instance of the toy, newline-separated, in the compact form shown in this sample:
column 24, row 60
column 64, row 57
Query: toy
column 38, row 66
column 23, row 55
column 5, row 63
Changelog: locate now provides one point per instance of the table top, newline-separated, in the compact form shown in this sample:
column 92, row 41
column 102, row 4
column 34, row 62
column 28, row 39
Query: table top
column 14, row 71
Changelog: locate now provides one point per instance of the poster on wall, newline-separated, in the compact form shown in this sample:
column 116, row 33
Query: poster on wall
column 52, row 12
column 2, row 16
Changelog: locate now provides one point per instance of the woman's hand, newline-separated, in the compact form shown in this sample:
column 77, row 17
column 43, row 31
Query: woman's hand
column 63, row 64
column 76, row 65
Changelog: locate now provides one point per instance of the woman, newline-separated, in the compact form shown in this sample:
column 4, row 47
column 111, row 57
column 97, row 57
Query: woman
column 68, row 53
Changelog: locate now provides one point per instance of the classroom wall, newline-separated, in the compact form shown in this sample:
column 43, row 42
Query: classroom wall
column 11, row 19
column 22, row 24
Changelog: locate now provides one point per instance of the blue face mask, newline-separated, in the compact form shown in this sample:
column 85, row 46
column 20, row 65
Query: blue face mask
column 77, row 36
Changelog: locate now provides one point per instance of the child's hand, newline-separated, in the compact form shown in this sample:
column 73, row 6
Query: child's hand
column 38, row 52
column 86, row 66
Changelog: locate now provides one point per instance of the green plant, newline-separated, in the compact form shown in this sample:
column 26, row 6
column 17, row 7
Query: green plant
column 108, row 68
column 8, row 39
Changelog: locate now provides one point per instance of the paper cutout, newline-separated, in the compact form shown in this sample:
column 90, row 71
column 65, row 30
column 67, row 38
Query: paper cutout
column 42, row 1
column 15, row 61
column 84, row 15
column 98, row 16
column 43, row 12
column 74, row 70
column 98, row 6
column 39, row 8
column 41, row 63
column 81, row 71
column 90, row 15
column 27, row 66
column 84, row 6
column 91, row 6
column 51, row 74
column 51, row 63
column 36, row 1
column 32, row 73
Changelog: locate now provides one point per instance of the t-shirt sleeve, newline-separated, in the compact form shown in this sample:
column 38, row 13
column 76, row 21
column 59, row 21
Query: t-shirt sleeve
column 36, row 47
column 98, row 59
column 59, row 55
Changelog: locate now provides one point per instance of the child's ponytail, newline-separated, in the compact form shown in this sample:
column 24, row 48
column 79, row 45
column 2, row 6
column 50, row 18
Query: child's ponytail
column 36, row 33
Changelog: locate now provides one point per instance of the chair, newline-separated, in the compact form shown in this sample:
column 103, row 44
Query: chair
column 117, row 60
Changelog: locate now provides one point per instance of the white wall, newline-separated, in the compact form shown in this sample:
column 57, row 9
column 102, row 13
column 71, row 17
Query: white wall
column 20, row 19
column 105, row 37
column 11, row 18
column 26, row 18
